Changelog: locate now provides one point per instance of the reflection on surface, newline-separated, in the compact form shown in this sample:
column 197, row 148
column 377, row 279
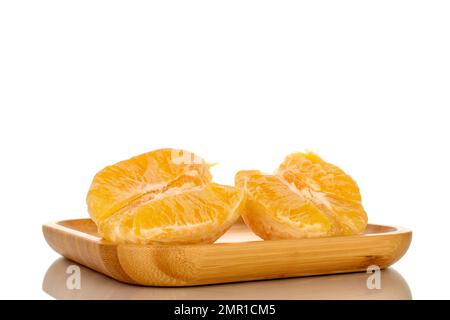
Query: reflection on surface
column 345, row 286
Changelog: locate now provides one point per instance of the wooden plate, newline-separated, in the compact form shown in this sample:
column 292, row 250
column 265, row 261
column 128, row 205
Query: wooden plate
column 239, row 255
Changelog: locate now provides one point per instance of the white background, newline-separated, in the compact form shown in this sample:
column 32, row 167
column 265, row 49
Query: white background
column 84, row 84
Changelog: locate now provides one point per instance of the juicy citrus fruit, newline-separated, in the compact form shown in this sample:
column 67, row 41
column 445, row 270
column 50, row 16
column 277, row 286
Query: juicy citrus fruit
column 163, row 196
column 305, row 198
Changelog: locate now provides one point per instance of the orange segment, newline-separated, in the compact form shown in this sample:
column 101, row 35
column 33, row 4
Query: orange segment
column 195, row 215
column 142, row 177
column 161, row 196
column 305, row 198
column 309, row 170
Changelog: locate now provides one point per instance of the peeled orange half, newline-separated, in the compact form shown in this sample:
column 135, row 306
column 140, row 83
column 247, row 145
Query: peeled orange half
column 305, row 198
column 163, row 196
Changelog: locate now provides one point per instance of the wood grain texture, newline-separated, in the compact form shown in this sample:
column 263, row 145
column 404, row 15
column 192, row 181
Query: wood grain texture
column 238, row 256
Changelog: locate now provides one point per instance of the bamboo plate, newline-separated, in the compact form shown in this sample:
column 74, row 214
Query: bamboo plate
column 239, row 255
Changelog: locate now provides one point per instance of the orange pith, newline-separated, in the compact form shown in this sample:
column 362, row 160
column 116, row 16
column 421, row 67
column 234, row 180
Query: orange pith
column 161, row 196
column 305, row 198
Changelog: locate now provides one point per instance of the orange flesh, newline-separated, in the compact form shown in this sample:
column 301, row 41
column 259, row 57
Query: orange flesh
column 155, row 197
column 305, row 198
